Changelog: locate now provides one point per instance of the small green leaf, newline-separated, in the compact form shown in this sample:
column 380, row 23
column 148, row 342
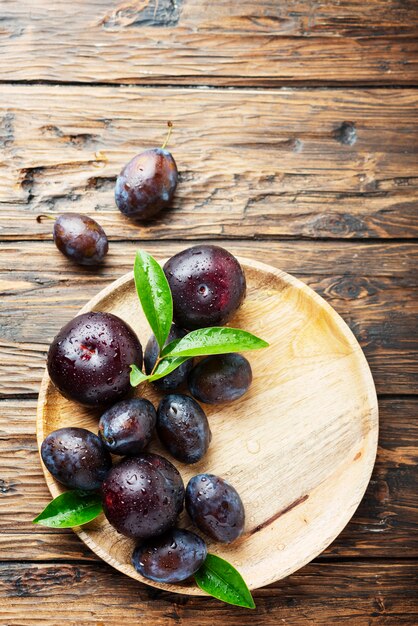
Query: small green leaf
column 154, row 294
column 164, row 367
column 215, row 340
column 222, row 581
column 71, row 508
column 136, row 377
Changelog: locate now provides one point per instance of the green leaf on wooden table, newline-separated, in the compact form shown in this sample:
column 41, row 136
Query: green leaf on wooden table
column 164, row 367
column 215, row 340
column 154, row 294
column 222, row 581
column 71, row 508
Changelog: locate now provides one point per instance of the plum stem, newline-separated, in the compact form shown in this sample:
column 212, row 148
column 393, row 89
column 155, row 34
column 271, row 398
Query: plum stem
column 39, row 218
column 167, row 139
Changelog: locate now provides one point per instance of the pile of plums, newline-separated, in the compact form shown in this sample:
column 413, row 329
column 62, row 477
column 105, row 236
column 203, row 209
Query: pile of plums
column 89, row 362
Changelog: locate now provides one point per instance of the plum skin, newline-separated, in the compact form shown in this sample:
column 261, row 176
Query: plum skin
column 208, row 286
column 170, row 558
column 146, row 184
column 215, row 507
column 220, row 378
column 142, row 496
column 126, row 428
column 80, row 238
column 179, row 376
column 183, row 428
column 76, row 458
column 89, row 359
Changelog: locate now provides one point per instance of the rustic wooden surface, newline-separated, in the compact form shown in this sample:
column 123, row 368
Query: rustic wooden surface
column 320, row 181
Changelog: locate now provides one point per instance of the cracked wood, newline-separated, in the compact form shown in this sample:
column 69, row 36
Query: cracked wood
column 253, row 164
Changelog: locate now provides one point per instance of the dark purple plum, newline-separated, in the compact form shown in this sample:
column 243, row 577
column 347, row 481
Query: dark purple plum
column 220, row 378
column 76, row 457
column 142, row 496
column 80, row 238
column 208, row 286
column 179, row 376
column 183, row 428
column 89, row 359
column 171, row 558
column 146, row 185
column 126, row 428
column 215, row 507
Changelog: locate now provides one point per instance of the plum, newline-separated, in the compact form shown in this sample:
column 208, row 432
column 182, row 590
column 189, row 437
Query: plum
column 126, row 428
column 171, row 558
column 142, row 496
column 220, row 378
column 215, row 507
column 76, row 457
column 89, row 359
column 146, row 185
column 179, row 376
column 183, row 428
column 80, row 238
column 208, row 286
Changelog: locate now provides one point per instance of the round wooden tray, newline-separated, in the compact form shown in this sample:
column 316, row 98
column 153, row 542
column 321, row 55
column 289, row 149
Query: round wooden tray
column 299, row 446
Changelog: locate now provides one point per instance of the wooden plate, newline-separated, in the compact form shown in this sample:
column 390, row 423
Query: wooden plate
column 299, row 446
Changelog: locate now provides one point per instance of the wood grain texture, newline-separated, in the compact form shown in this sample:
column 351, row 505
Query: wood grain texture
column 365, row 283
column 224, row 43
column 253, row 163
column 385, row 525
column 359, row 594
column 300, row 449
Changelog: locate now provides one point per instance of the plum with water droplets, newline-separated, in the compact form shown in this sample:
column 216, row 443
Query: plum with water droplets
column 208, row 286
column 76, row 457
column 146, row 185
column 80, row 238
column 126, row 428
column 171, row 558
column 183, row 428
column 215, row 507
column 142, row 496
column 89, row 360
column 220, row 378
column 179, row 376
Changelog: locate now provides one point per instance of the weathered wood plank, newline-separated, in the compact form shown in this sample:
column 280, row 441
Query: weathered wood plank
column 321, row 594
column 385, row 524
column 253, row 163
column 234, row 43
column 374, row 287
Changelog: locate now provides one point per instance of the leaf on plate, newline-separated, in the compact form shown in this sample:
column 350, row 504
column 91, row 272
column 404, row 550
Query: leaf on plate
column 222, row 581
column 215, row 340
column 154, row 294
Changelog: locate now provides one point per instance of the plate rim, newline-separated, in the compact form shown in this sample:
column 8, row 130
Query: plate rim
column 373, row 433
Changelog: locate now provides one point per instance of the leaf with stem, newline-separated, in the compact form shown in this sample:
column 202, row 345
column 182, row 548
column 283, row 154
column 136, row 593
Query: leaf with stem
column 214, row 340
column 154, row 294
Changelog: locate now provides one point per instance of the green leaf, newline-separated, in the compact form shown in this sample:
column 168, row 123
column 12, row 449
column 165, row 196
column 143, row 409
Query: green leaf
column 164, row 367
column 215, row 340
column 71, row 508
column 222, row 581
column 154, row 294
column 136, row 377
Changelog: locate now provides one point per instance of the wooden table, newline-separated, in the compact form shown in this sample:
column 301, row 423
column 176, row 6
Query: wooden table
column 296, row 137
